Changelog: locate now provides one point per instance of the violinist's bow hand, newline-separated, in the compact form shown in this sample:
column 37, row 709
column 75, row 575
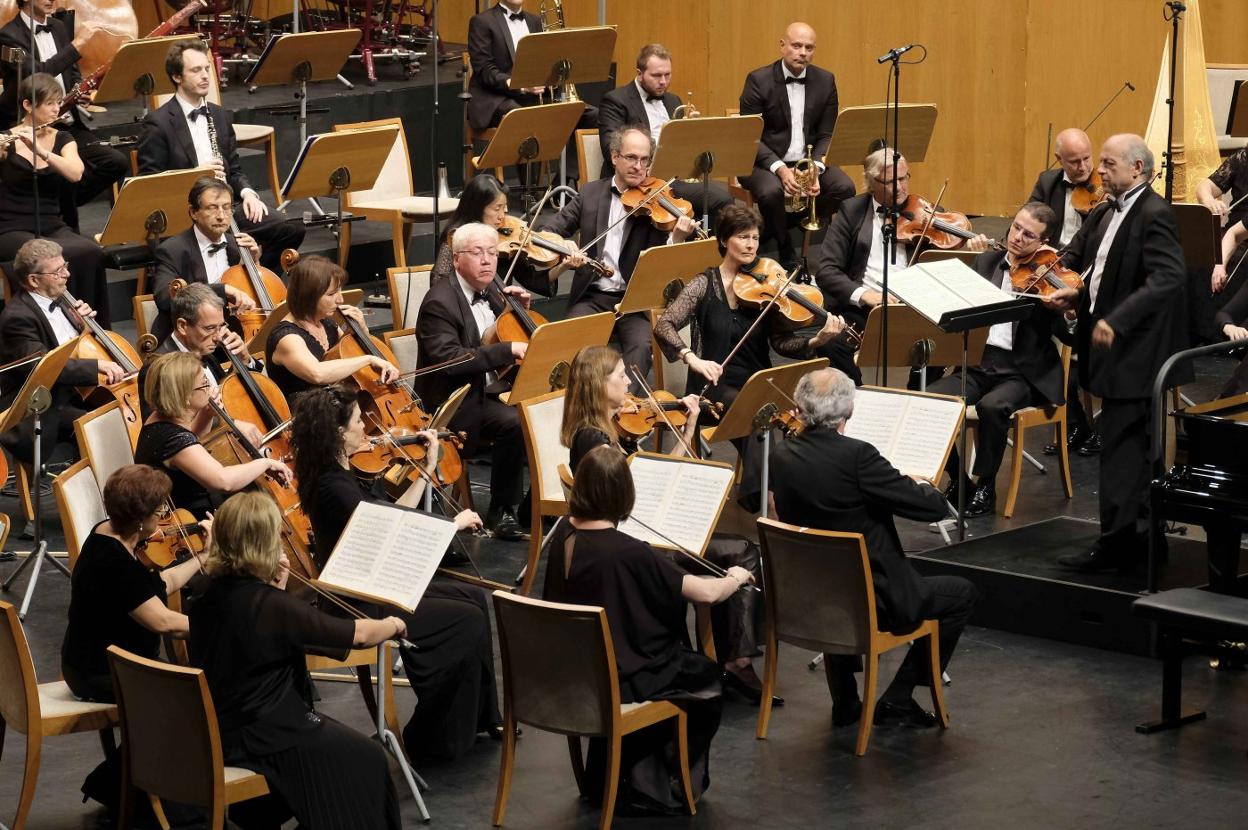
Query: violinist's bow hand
column 1063, row 298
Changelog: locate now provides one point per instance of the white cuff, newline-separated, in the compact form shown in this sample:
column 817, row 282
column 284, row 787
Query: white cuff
column 857, row 295
column 247, row 190
column 776, row 165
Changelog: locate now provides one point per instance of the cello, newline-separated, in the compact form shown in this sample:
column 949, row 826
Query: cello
column 97, row 343
column 265, row 288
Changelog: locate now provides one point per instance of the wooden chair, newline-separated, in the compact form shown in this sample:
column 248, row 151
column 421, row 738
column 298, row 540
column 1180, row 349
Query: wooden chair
column 80, row 504
column 541, row 418
column 408, row 286
column 173, row 719
column 588, row 155
column 393, row 197
column 38, row 710
column 405, row 347
column 473, row 135
column 820, row 596
column 104, row 441
column 145, row 312
column 574, row 697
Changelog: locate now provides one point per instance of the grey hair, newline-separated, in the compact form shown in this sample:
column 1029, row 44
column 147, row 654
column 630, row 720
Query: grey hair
column 187, row 302
column 471, row 232
column 30, row 257
column 876, row 162
column 616, row 141
column 1136, row 149
column 826, row 397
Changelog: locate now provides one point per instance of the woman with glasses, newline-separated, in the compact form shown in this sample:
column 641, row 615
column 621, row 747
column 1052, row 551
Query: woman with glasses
column 178, row 392
column 32, row 175
column 296, row 348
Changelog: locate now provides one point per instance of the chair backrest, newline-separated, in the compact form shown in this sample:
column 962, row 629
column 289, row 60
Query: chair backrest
column 104, row 441
column 1222, row 78
column 541, row 418
column 541, row 684
column 395, row 180
column 588, row 155
column 1065, row 352
column 166, row 712
column 408, row 286
column 145, row 312
column 19, row 688
column 214, row 91
column 676, row 375
column 819, row 590
column 80, row 503
column 405, row 346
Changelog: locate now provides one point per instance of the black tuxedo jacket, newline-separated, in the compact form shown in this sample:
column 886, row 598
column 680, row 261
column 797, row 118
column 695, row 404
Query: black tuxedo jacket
column 178, row 257
column 587, row 213
column 845, row 251
column 216, row 364
column 64, row 63
column 24, row 331
column 1142, row 295
column 1033, row 351
column 492, row 56
column 621, row 106
column 1049, row 190
column 764, row 94
column 166, row 143
column 858, row 492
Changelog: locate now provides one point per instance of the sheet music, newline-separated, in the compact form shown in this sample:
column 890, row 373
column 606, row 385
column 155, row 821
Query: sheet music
column 387, row 553
column 913, row 432
column 294, row 170
column 681, row 499
column 935, row 289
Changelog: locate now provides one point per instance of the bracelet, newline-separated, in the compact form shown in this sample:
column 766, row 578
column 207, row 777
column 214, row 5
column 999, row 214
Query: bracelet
column 685, row 352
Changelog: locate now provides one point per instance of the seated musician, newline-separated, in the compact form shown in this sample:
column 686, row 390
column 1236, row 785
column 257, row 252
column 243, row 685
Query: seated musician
column 26, row 212
column 455, row 317
column 598, row 207
column 179, row 395
column 1072, row 150
column 778, row 92
column 644, row 594
column 251, row 639
column 36, row 321
column 189, row 122
column 57, row 50
column 115, row 599
column 296, row 348
column 1229, row 180
column 201, row 253
column 452, row 668
column 1020, row 366
column 860, row 492
column 646, row 100
column 1231, row 317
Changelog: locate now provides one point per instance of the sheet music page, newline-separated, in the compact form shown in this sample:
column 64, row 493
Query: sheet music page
column 966, row 282
column 388, row 553
column 877, row 419
column 294, row 169
column 925, row 295
column 911, row 431
column 680, row 499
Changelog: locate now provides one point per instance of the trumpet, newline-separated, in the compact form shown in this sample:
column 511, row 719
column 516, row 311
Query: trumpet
column 806, row 173
column 685, row 110
column 567, row 92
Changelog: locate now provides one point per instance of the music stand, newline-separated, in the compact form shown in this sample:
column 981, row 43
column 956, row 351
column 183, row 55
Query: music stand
column 300, row 58
column 332, row 163
column 255, row 347
column 33, row 400
column 767, row 392
column 550, row 353
column 697, row 147
column 530, row 135
column 146, row 210
column 665, row 267
column 915, row 343
column 1199, row 232
column 132, row 71
column 857, row 127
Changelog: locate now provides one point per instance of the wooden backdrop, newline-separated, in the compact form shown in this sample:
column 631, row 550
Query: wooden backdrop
column 1000, row 71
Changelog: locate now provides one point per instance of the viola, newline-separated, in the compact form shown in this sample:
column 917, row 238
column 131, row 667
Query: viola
column 654, row 199
column 544, row 249
column 789, row 423
column 97, row 343
column 946, row 229
column 1088, row 194
column 640, row 415
column 1043, row 273
column 762, row 281
column 400, row 445
column 177, row 533
column 265, row 288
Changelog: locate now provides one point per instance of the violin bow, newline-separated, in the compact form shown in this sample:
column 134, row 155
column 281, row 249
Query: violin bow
column 645, row 387
column 1125, row 86
column 527, row 234
column 703, row 561
column 784, row 287
column 931, row 217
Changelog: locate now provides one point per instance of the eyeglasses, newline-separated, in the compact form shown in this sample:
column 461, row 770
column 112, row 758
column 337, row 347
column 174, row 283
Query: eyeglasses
column 63, row 271
column 633, row 160
column 1023, row 232
column 202, row 386
column 889, row 179
column 481, row 253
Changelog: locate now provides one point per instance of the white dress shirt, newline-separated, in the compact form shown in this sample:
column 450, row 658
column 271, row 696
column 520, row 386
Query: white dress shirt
column 481, row 312
column 1107, row 242
column 199, row 137
column 1001, row 335
column 519, row 28
column 215, row 263
column 45, row 45
column 1071, row 218
column 797, row 119
column 873, row 276
column 656, row 112
column 54, row 313
column 613, row 243
column 208, row 375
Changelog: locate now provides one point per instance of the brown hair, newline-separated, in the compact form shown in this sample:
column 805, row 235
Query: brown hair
column 603, row 487
column 246, row 536
column 174, row 60
column 133, row 493
column 652, row 50
column 170, row 381
column 585, row 399
column 39, row 89
column 734, row 219
column 309, row 280
column 1042, row 213
column 206, row 184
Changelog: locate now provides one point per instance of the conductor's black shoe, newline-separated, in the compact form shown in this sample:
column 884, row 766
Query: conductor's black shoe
column 1074, row 440
column 1094, row 560
column 983, row 502
column 846, row 714
column 504, row 526
column 908, row 714
column 1092, row 446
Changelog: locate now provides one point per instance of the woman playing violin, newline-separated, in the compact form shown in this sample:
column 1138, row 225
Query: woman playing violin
column 296, row 347
column 452, row 670
column 179, row 396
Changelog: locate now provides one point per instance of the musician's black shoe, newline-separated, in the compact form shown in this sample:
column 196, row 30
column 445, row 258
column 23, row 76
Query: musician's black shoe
column 1092, row 446
column 1074, row 440
column 983, row 502
column 746, row 683
column 907, row 714
column 454, row 556
column 1095, row 559
column 503, row 525
column 8, row 556
column 951, row 491
column 847, row 713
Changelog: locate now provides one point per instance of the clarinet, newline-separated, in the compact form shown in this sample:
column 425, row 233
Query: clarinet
column 212, row 135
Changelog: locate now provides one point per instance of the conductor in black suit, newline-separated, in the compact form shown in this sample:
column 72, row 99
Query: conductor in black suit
column 181, row 135
column 57, row 48
column 1132, row 317
column 799, row 107
column 454, row 317
column 646, row 100
column 1020, row 367
column 597, row 207
column 860, row 492
column 202, row 253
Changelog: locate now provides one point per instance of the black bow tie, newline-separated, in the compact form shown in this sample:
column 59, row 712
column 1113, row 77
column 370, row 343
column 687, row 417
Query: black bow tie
column 516, row 16
column 215, row 246
column 481, row 296
column 41, row 28
column 794, row 80
column 197, row 112
column 882, row 211
column 658, row 98
column 1069, row 185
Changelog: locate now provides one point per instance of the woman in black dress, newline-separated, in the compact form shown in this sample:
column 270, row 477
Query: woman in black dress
column 56, row 165
column 644, row 594
column 1231, row 317
column 251, row 639
column 178, row 393
column 296, row 348
column 452, row 670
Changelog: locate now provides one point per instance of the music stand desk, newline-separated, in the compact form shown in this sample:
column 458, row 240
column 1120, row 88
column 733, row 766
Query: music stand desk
column 857, row 127
column 1199, row 234
column 143, row 197
column 660, row 266
column 131, row 72
column 362, row 153
column 731, row 142
column 563, row 56
column 766, row 386
column 284, row 56
column 531, row 134
column 551, row 349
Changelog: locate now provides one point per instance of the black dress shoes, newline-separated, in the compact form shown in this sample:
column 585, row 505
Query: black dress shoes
column 847, row 713
column 983, row 502
column 1092, row 446
column 909, row 715
column 746, row 683
column 951, row 492
column 503, row 525
column 1094, row 560
column 1074, row 439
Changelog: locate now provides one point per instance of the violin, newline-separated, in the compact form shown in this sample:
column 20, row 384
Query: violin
column 946, row 229
column 402, row 446
column 97, row 343
column 789, row 422
column 265, row 288
column 1043, row 273
column 177, row 533
column 544, row 249
column 654, row 198
column 640, row 416
column 760, row 282
column 1089, row 194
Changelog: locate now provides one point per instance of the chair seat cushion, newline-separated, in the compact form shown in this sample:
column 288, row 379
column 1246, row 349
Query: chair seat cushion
column 62, row 713
column 419, row 207
column 244, row 133
column 1192, row 609
column 233, row 774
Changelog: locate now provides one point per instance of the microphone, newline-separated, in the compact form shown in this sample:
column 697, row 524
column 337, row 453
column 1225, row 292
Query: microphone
column 894, row 54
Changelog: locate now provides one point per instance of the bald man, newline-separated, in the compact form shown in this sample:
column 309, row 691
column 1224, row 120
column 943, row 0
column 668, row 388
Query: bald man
column 799, row 105
column 1073, row 152
column 1132, row 317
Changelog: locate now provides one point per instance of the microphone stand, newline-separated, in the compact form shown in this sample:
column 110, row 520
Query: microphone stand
column 433, row 130
column 1174, row 11
column 889, row 231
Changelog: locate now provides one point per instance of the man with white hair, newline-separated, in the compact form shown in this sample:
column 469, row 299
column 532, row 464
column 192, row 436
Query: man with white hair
column 454, row 318
column 860, row 492
column 1132, row 317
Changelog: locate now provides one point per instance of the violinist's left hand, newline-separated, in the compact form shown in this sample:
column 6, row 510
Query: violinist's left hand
column 575, row 260
column 283, row 573
column 520, row 294
column 978, row 243
column 683, row 230
column 1102, row 335
column 432, row 450
column 832, row 326
column 693, row 408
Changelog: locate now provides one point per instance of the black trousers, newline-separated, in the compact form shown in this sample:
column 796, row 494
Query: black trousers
column 834, row 188
column 1126, row 470
column 953, row 601
column 273, row 234
column 85, row 258
column 500, row 424
column 631, row 330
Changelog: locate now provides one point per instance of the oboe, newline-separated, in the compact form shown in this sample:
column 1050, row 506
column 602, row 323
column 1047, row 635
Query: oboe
column 212, row 134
